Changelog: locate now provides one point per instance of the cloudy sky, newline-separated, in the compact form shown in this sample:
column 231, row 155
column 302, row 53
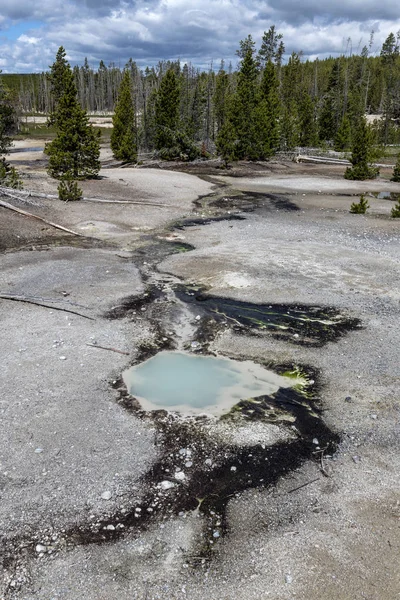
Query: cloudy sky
column 199, row 31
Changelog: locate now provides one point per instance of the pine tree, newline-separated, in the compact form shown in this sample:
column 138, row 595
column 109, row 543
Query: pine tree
column 221, row 96
column 396, row 170
column 74, row 153
column 124, row 134
column 244, row 102
column 307, row 122
column 361, row 154
column 226, row 142
column 58, row 72
column 167, row 111
column 270, row 109
column 343, row 135
column 8, row 175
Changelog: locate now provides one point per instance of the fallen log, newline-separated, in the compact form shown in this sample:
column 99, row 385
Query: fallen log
column 23, row 194
column 32, row 216
column 108, row 348
column 27, row 301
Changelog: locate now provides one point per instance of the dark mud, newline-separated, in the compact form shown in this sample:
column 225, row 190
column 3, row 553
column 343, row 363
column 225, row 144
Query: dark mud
column 192, row 222
column 215, row 471
column 297, row 324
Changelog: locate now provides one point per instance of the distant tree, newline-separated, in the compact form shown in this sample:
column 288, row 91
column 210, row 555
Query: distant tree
column 343, row 135
column 74, row 153
column 272, row 47
column 226, row 143
column 167, row 110
column 8, row 122
column 246, row 47
column 270, row 96
column 307, row 121
column 332, row 104
column 221, row 96
column 361, row 154
column 244, row 102
column 396, row 170
column 124, row 134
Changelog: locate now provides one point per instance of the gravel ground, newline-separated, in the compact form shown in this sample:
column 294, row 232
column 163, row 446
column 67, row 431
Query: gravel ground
column 65, row 443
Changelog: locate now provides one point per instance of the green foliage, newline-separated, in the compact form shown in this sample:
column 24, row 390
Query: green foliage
column 272, row 47
column 395, row 212
column 343, row 135
column 226, row 143
column 221, row 97
column 8, row 119
column 396, row 170
column 307, row 122
column 9, row 176
column 269, row 112
column 361, row 207
column 180, row 148
column 167, row 111
column 361, row 154
column 58, row 73
column 68, row 190
column 75, row 151
column 124, row 134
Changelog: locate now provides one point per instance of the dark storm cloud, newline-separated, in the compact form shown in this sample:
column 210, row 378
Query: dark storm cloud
column 295, row 12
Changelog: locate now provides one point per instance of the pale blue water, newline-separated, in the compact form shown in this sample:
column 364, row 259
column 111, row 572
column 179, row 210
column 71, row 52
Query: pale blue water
column 196, row 384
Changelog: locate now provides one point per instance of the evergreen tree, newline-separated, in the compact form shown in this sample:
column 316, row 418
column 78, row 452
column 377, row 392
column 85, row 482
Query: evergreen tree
column 58, row 72
column 331, row 110
column 361, row 154
column 124, row 134
column 167, row 111
column 272, row 47
column 74, row 153
column 396, row 170
column 395, row 212
column 242, row 109
column 343, row 135
column 8, row 175
column 270, row 109
column 307, row 122
column 221, row 96
column 226, row 143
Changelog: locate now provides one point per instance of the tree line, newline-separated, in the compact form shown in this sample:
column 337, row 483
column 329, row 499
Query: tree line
column 183, row 113
column 317, row 101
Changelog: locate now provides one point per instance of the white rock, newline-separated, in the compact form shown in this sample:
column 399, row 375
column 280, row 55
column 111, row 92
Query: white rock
column 166, row 485
column 106, row 495
column 39, row 548
column 180, row 475
column 63, row 358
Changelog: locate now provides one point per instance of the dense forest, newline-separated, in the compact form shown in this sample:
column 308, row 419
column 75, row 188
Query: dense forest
column 269, row 102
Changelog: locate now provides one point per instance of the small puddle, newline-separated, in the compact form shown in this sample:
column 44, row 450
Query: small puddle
column 393, row 196
column 194, row 384
column 33, row 149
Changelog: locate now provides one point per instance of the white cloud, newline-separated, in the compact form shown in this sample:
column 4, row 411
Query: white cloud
column 148, row 31
column 28, row 40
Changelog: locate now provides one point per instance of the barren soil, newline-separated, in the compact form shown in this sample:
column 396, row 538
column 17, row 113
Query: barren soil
column 84, row 508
